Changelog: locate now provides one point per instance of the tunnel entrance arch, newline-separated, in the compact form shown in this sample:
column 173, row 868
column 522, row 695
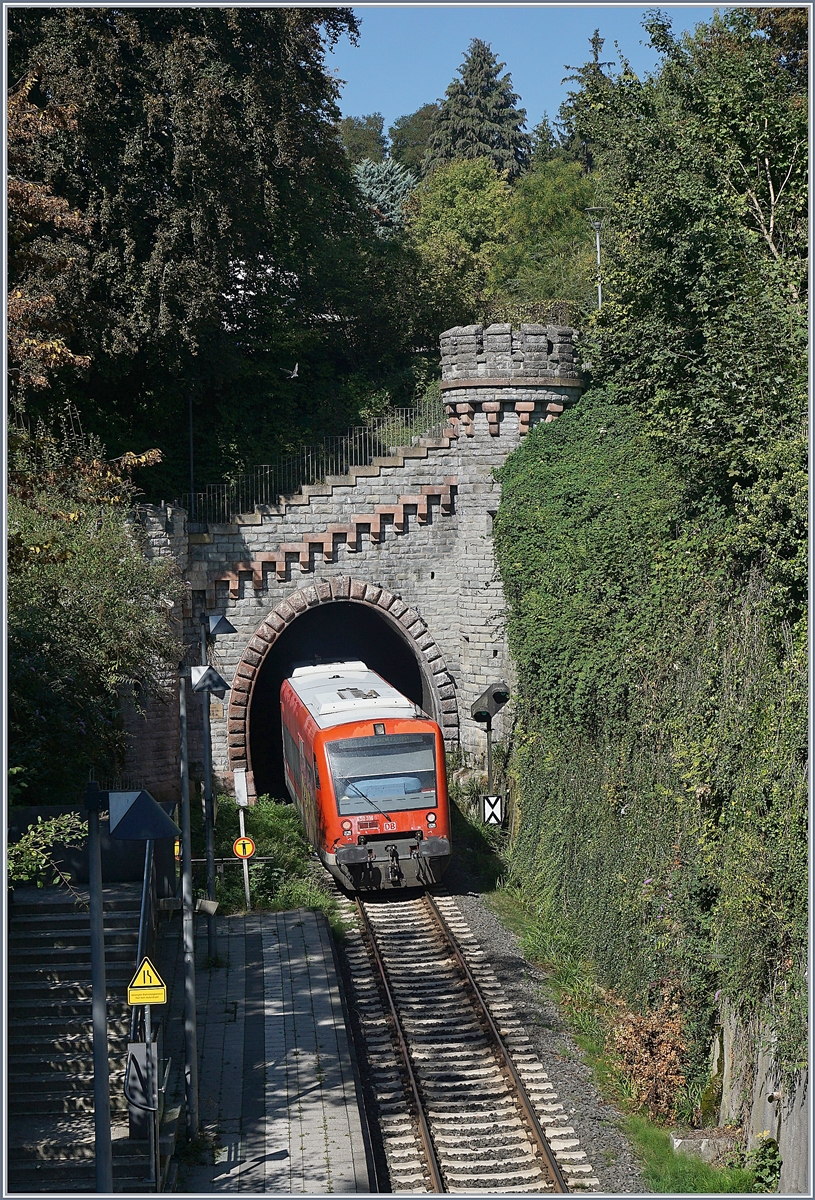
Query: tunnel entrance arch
column 342, row 619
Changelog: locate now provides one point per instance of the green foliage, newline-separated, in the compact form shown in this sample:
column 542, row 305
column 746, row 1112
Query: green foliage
column 409, row 138
column 661, row 746
column 30, row 859
column 765, row 1163
column 455, row 221
column 703, row 327
column 386, row 187
column 548, row 248
column 363, row 138
column 209, row 233
column 478, row 117
column 291, row 880
column 87, row 613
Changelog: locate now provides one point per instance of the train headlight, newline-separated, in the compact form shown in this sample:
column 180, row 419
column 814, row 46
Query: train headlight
column 346, row 825
column 431, row 818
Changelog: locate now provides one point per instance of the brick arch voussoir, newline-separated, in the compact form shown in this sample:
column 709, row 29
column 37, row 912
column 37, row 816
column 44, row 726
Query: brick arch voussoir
column 404, row 618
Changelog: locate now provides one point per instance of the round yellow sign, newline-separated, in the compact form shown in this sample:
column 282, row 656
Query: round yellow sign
column 243, row 847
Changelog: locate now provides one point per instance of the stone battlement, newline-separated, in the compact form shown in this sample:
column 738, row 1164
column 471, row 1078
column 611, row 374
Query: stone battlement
column 532, row 370
column 501, row 353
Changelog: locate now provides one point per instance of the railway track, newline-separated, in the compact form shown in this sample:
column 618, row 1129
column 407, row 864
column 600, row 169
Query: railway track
column 464, row 1103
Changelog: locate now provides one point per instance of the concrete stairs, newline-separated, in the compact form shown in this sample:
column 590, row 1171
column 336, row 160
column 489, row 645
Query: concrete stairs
column 49, row 1064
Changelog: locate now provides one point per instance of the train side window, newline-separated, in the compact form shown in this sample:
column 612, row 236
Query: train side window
column 316, row 773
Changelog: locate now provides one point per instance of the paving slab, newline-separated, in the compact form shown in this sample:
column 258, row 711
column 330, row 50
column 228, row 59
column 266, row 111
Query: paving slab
column 277, row 1088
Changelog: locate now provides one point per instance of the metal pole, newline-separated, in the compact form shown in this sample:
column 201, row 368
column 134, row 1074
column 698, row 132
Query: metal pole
column 101, row 1065
column 190, row 1036
column 489, row 756
column 192, row 471
column 209, row 807
column 245, row 864
column 599, row 281
column 151, row 1128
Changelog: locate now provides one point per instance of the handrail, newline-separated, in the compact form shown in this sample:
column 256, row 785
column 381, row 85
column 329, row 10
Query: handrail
column 269, row 484
column 146, row 914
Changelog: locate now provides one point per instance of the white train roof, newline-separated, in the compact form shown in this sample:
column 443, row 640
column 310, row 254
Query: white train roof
column 336, row 693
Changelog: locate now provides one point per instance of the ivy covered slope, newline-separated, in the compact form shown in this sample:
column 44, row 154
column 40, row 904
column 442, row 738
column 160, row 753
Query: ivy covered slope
column 652, row 548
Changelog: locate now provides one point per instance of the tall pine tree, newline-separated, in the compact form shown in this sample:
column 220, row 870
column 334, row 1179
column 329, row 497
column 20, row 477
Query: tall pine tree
column 479, row 117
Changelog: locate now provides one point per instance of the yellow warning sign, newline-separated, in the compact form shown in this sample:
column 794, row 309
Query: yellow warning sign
column 177, row 849
column 147, row 986
column 243, row 847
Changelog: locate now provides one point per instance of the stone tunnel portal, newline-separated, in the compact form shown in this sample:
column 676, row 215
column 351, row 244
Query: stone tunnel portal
column 343, row 630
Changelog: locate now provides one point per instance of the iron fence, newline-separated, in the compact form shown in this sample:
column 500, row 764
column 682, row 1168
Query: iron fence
column 268, row 485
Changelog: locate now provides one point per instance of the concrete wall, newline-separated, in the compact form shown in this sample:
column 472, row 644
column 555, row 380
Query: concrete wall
column 752, row 1093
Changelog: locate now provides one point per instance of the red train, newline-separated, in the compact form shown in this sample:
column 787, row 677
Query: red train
column 365, row 767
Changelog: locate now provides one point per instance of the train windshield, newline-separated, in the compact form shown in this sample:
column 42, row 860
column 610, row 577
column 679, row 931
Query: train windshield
column 388, row 774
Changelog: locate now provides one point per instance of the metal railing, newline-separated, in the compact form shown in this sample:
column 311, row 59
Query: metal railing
column 269, row 484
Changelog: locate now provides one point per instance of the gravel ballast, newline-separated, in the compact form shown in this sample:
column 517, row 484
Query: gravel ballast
column 596, row 1122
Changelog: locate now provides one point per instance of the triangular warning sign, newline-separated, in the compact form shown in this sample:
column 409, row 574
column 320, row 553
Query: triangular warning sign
column 147, row 986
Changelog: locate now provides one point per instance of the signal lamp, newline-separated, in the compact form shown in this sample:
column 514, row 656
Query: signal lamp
column 379, row 730
column 346, row 826
column 431, row 818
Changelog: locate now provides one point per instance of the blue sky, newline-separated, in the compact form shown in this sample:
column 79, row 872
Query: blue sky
column 408, row 54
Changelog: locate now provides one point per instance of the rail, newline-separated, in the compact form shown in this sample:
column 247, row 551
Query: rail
column 267, row 485
column 530, row 1119
column 530, row 1115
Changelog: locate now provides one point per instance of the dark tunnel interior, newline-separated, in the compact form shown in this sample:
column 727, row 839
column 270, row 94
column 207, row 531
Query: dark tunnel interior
column 328, row 633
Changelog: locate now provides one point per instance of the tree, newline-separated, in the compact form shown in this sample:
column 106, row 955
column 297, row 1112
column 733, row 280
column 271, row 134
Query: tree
column 703, row 326
column 575, row 113
column 362, row 137
column 386, row 187
column 456, row 219
column 222, row 225
column 87, row 613
column 547, row 253
column 409, row 138
column 45, row 253
column 478, row 118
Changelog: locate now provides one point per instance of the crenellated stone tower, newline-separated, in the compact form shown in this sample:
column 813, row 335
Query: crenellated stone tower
column 392, row 563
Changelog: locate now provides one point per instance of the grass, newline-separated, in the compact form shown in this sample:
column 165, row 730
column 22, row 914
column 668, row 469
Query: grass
column 668, row 1172
column 293, row 878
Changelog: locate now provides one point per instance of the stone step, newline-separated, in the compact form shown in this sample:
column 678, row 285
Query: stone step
column 30, row 922
column 35, row 1064
column 69, row 937
column 42, row 1101
column 119, row 948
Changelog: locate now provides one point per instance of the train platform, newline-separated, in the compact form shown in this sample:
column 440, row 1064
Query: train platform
column 279, row 1102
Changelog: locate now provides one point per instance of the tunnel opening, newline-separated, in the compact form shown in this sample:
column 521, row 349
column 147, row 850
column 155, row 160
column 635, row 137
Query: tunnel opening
column 334, row 632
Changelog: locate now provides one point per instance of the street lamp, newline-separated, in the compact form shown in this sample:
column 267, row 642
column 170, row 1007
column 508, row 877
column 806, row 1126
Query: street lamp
column 596, row 222
column 205, row 679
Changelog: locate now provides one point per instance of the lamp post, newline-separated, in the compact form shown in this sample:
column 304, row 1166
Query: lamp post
column 205, row 680
column 596, row 222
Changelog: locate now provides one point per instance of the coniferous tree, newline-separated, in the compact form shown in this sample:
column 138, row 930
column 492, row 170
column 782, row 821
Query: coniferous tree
column 386, row 187
column 479, row 117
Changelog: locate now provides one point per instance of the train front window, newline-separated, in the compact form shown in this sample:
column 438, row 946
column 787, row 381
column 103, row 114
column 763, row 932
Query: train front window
column 384, row 774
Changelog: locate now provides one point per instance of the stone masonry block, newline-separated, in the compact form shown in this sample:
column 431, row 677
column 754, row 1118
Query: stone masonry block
column 372, row 594
column 310, row 596
column 357, row 589
column 341, row 588
column 324, row 592
column 386, row 599
column 286, row 611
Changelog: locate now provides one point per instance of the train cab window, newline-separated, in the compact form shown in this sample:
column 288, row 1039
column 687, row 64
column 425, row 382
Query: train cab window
column 384, row 774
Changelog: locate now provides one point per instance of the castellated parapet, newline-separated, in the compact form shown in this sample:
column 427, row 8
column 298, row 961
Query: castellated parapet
column 405, row 540
column 531, row 371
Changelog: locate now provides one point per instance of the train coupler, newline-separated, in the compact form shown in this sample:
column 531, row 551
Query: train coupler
column 395, row 873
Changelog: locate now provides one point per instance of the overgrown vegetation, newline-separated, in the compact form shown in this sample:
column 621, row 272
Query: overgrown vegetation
column 292, row 879
column 652, row 549
column 87, row 612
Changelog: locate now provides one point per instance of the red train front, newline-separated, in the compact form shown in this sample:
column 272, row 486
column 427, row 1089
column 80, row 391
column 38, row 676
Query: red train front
column 365, row 767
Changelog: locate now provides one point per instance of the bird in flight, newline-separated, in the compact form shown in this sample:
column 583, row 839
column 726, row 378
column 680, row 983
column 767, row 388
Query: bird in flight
column 291, row 374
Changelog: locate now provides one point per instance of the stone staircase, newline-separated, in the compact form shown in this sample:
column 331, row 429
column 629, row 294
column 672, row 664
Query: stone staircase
column 49, row 1065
